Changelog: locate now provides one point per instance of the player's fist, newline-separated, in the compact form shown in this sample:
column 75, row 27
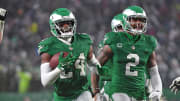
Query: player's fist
column 155, row 95
column 3, row 13
column 175, row 86
column 66, row 61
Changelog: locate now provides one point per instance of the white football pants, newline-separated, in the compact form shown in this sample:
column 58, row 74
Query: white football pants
column 85, row 96
column 123, row 97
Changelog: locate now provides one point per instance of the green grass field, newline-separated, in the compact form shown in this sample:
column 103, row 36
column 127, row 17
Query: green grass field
column 47, row 96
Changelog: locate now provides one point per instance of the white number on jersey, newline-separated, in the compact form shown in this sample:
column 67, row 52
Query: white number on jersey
column 79, row 64
column 132, row 64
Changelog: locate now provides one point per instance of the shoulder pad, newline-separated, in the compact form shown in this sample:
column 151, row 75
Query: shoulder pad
column 152, row 40
column 44, row 44
column 110, row 38
column 47, row 41
column 85, row 36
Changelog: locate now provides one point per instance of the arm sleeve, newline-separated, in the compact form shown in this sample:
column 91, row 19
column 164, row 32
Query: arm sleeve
column 48, row 76
column 94, row 64
column 155, row 79
column 3, row 13
column 1, row 30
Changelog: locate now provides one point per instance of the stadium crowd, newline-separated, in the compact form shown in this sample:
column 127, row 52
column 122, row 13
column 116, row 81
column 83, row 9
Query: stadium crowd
column 28, row 23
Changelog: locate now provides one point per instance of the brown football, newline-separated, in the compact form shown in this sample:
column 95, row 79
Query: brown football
column 54, row 61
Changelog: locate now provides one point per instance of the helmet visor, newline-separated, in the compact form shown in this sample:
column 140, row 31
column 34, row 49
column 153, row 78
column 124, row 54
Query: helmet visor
column 65, row 26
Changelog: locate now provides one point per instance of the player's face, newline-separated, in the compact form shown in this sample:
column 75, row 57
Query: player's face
column 137, row 22
column 65, row 26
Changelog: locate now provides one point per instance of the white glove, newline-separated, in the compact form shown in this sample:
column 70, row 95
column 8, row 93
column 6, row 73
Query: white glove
column 175, row 86
column 155, row 95
column 3, row 14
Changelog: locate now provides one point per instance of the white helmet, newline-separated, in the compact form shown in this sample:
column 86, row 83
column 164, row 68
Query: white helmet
column 136, row 12
column 58, row 18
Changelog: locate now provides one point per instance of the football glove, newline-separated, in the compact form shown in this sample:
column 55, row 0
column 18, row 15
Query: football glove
column 3, row 14
column 67, row 61
column 155, row 95
column 175, row 86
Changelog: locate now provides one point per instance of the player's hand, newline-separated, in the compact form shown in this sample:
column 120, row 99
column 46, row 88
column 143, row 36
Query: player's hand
column 3, row 13
column 66, row 61
column 155, row 95
column 175, row 86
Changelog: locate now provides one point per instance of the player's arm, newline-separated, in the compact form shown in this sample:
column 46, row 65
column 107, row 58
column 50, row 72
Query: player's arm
column 93, row 65
column 104, row 55
column 155, row 77
column 3, row 13
column 48, row 76
column 92, row 61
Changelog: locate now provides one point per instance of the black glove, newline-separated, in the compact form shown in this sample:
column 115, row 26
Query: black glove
column 175, row 86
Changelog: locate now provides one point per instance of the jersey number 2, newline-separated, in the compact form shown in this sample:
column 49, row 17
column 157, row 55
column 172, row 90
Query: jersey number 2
column 132, row 64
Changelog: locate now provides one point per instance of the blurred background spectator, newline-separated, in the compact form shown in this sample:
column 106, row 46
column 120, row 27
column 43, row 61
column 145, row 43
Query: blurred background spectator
column 27, row 24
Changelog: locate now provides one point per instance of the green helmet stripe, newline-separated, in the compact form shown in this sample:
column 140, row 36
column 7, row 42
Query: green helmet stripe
column 137, row 9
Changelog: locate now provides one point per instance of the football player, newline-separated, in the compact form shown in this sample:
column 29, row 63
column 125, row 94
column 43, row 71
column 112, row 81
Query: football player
column 69, row 78
column 3, row 13
column 105, row 74
column 175, row 86
column 132, row 52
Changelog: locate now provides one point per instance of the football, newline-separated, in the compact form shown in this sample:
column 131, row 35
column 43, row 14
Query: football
column 54, row 61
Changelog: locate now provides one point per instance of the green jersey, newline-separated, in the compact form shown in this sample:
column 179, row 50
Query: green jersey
column 130, row 57
column 106, row 71
column 73, row 81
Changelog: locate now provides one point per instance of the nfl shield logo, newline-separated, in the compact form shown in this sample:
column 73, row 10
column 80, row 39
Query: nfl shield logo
column 119, row 45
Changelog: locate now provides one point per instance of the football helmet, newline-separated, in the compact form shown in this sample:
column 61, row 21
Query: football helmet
column 62, row 23
column 118, row 23
column 136, row 20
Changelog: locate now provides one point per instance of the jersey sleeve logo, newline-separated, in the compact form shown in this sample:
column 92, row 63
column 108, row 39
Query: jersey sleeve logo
column 39, row 49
